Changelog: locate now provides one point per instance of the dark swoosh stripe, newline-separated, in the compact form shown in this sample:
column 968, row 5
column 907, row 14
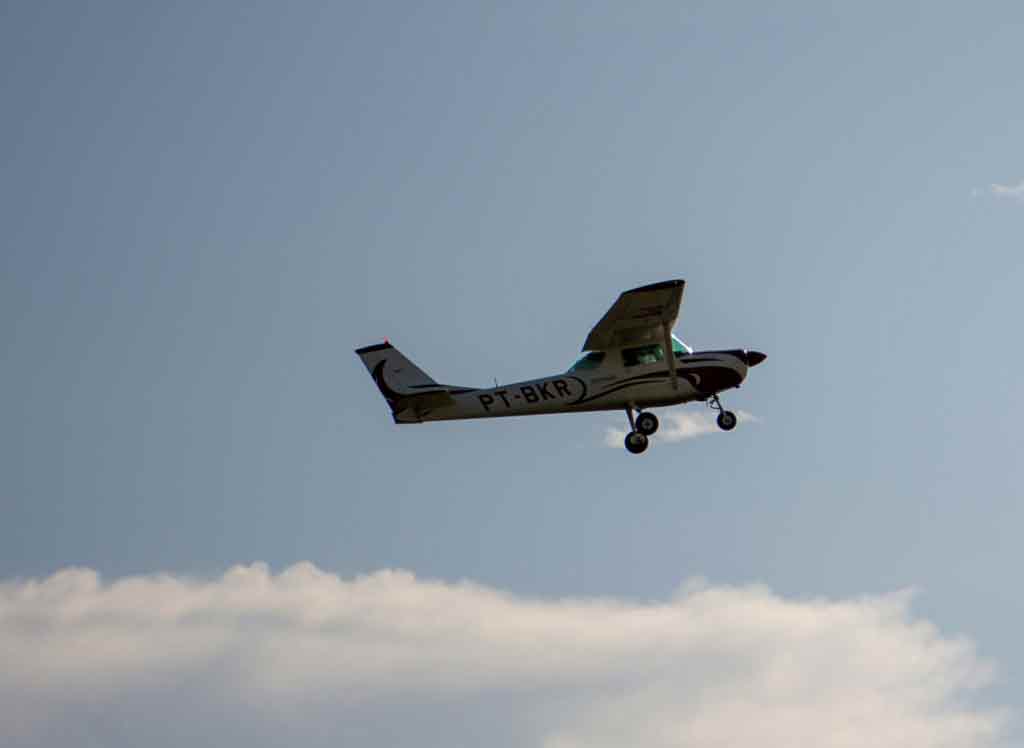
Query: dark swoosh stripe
column 649, row 375
column 697, row 360
column 620, row 386
column 657, row 378
column 680, row 369
column 378, row 377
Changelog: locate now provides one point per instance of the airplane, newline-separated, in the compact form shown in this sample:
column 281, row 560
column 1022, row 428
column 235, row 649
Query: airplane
column 624, row 367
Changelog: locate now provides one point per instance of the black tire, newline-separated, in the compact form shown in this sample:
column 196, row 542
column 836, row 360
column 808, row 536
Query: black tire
column 727, row 420
column 646, row 423
column 636, row 442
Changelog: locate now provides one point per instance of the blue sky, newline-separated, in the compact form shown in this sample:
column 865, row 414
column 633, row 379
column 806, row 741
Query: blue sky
column 206, row 209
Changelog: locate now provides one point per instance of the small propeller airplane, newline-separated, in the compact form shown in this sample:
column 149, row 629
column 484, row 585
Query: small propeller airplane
column 631, row 361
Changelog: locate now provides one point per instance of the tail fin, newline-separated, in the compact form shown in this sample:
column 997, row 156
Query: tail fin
column 408, row 389
column 403, row 376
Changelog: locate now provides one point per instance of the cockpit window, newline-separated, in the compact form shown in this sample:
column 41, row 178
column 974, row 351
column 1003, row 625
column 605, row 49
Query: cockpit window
column 653, row 353
column 588, row 361
column 645, row 354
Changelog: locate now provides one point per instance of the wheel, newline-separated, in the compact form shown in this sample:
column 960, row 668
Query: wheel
column 727, row 420
column 646, row 423
column 636, row 442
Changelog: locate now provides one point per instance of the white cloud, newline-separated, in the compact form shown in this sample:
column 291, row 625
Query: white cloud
column 388, row 659
column 678, row 426
column 1011, row 192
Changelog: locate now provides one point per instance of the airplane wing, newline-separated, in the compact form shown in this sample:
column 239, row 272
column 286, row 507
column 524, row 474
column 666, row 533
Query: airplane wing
column 641, row 315
column 638, row 316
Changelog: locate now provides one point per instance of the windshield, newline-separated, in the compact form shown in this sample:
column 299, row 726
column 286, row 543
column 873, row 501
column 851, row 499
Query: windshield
column 679, row 348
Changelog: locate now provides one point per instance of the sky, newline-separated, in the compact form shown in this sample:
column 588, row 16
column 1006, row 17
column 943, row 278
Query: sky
column 212, row 530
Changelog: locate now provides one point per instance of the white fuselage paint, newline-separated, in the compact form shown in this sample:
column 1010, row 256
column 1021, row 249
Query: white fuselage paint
column 610, row 386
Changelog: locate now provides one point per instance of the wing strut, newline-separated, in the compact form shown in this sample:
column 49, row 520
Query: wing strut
column 670, row 356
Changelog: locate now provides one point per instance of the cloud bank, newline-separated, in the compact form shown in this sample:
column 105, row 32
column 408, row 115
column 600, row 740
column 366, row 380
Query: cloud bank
column 1007, row 191
column 304, row 656
column 676, row 427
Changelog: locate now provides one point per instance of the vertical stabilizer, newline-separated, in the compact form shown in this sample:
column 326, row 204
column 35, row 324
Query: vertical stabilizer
column 395, row 375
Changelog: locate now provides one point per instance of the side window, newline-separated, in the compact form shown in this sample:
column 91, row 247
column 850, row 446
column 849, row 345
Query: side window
column 645, row 354
column 590, row 361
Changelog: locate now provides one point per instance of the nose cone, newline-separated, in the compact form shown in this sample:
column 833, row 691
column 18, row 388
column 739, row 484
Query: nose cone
column 755, row 357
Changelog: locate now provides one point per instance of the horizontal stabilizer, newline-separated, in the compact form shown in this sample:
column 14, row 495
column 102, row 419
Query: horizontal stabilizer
column 411, row 409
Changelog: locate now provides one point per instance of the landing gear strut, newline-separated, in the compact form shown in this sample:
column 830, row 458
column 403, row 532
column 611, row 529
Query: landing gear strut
column 726, row 418
column 640, row 428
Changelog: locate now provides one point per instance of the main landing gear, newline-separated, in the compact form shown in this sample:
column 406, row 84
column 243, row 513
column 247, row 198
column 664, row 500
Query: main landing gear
column 726, row 418
column 640, row 428
column 644, row 424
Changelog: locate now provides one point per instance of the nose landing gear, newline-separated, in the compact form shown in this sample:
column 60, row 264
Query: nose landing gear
column 726, row 418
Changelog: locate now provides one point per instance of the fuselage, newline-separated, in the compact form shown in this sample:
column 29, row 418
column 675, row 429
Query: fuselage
column 613, row 383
